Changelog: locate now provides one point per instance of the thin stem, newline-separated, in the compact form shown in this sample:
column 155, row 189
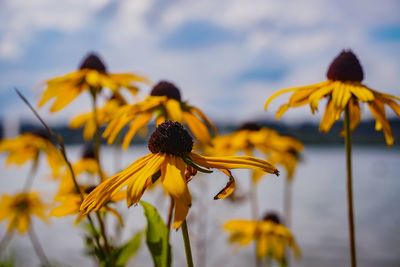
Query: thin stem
column 61, row 147
column 103, row 233
column 31, row 175
column 287, row 202
column 352, row 235
column 38, row 247
column 186, row 241
column 97, row 138
column 254, row 214
column 5, row 241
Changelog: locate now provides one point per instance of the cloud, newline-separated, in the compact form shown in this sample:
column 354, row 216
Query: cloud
column 227, row 56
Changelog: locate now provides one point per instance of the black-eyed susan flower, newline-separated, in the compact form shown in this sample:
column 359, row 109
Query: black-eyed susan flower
column 343, row 89
column 86, row 165
column 163, row 103
column 273, row 239
column 28, row 146
column 104, row 115
column 251, row 137
column 69, row 204
column 19, row 210
column 91, row 76
column 173, row 163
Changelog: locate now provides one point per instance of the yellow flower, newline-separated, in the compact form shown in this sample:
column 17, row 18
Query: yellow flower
column 278, row 149
column 173, row 163
column 164, row 103
column 104, row 115
column 272, row 237
column 69, row 204
column 28, row 146
column 18, row 209
column 87, row 164
column 344, row 88
column 92, row 76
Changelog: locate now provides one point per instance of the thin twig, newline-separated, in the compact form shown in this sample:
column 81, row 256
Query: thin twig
column 61, row 146
column 38, row 247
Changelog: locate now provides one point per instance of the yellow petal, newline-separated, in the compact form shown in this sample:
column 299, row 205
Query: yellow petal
column 174, row 111
column 198, row 129
column 137, row 123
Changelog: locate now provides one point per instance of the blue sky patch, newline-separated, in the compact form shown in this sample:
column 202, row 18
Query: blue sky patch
column 387, row 33
column 197, row 34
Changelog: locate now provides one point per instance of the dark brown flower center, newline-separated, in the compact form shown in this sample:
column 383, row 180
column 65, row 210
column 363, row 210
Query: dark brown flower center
column 22, row 205
column 88, row 152
column 170, row 137
column 250, row 126
column 272, row 217
column 164, row 88
column 93, row 62
column 345, row 67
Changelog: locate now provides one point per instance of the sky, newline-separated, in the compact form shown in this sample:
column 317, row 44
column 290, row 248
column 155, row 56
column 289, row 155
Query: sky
column 226, row 56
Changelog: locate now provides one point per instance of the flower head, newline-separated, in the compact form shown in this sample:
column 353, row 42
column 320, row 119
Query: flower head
column 271, row 236
column 163, row 103
column 343, row 89
column 104, row 115
column 173, row 163
column 19, row 209
column 28, row 147
column 251, row 137
column 92, row 76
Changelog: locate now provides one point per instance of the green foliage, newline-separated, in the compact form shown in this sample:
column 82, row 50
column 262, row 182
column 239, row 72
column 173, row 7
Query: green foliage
column 9, row 262
column 157, row 237
column 129, row 249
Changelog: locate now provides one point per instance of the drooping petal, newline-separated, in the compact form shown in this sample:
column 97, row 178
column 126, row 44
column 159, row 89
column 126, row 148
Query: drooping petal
column 174, row 111
column 137, row 123
column 198, row 129
column 174, row 182
column 378, row 112
column 233, row 162
column 328, row 118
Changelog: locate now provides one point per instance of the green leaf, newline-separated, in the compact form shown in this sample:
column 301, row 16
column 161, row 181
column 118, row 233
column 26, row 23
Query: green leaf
column 157, row 237
column 129, row 249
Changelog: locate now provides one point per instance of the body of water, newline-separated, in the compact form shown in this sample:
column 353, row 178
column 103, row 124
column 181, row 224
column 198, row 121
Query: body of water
column 319, row 218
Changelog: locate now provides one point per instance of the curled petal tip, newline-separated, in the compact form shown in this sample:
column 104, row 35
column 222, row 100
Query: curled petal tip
column 277, row 173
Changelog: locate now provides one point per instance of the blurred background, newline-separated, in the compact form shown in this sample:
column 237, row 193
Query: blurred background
column 227, row 57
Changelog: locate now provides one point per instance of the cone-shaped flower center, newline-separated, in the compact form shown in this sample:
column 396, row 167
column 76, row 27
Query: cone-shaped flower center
column 93, row 62
column 164, row 88
column 88, row 152
column 345, row 67
column 170, row 137
column 272, row 217
column 21, row 205
column 250, row 126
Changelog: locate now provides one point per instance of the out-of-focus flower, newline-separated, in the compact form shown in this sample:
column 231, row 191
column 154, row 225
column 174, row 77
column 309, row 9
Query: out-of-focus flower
column 92, row 76
column 87, row 164
column 343, row 89
column 19, row 209
column 69, row 204
column 173, row 163
column 163, row 103
column 273, row 239
column 28, row 147
column 250, row 137
column 104, row 115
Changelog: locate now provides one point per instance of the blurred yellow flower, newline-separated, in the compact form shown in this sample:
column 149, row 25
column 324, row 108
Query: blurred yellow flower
column 249, row 137
column 69, row 204
column 272, row 238
column 92, row 76
column 173, row 162
column 19, row 209
column 28, row 147
column 344, row 88
column 104, row 115
column 164, row 103
column 87, row 164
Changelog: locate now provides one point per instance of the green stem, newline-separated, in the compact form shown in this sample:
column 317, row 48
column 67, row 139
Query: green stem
column 31, row 175
column 5, row 241
column 352, row 235
column 38, row 247
column 61, row 147
column 170, row 213
column 186, row 240
column 287, row 202
column 254, row 214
